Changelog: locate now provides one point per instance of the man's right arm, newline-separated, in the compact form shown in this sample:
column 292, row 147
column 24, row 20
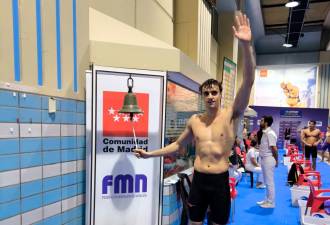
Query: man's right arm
column 254, row 161
column 182, row 141
column 302, row 137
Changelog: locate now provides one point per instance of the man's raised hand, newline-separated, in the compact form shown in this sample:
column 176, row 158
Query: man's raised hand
column 242, row 28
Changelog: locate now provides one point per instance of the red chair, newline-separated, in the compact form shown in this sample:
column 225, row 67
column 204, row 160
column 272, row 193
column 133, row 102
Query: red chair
column 316, row 198
column 233, row 195
column 316, row 179
column 306, row 164
column 232, row 185
column 296, row 156
column 292, row 149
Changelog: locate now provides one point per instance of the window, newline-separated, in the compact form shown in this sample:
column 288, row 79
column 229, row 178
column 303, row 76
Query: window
column 181, row 104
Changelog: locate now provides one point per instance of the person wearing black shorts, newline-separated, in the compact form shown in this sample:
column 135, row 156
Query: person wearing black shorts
column 210, row 190
column 213, row 133
column 310, row 151
column 311, row 138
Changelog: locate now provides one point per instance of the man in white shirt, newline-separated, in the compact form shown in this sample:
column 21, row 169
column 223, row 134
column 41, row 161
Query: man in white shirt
column 252, row 164
column 269, row 160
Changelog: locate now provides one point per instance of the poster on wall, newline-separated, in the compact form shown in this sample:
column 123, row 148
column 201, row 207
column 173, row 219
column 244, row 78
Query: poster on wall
column 292, row 120
column 181, row 104
column 228, row 82
column 118, row 182
column 286, row 86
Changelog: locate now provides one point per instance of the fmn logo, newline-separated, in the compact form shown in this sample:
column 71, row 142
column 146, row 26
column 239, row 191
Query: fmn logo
column 119, row 125
column 125, row 183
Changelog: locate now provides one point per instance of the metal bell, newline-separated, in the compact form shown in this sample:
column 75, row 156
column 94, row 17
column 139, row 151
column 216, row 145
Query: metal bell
column 130, row 102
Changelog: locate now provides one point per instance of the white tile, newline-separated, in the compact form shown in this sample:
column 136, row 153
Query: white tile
column 81, row 130
column 69, row 203
column 30, row 174
column 52, row 209
column 81, row 199
column 32, row 216
column 166, row 190
column 51, row 130
column 51, row 170
column 11, row 177
column 81, row 165
column 68, row 130
column 166, row 220
column 69, row 167
column 169, row 189
column 8, row 130
column 16, row 220
column 30, row 130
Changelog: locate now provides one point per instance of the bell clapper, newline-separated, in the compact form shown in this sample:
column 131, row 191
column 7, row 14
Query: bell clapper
column 134, row 136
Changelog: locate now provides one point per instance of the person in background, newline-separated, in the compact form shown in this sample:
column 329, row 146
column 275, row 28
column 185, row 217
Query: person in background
column 214, row 134
column 268, row 160
column 234, row 165
column 287, row 137
column 239, row 146
column 252, row 164
column 301, row 142
column 326, row 144
column 244, row 132
column 247, row 141
column 259, row 135
column 311, row 138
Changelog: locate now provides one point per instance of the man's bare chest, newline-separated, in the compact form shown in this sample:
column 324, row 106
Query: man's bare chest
column 216, row 131
column 312, row 134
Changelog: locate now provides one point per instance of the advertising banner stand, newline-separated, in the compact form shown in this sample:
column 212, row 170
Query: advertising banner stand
column 120, row 188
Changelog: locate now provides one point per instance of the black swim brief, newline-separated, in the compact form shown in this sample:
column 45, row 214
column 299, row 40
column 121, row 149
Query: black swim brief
column 310, row 150
column 210, row 190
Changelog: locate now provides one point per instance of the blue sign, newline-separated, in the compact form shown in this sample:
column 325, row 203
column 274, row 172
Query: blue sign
column 126, row 182
column 288, row 113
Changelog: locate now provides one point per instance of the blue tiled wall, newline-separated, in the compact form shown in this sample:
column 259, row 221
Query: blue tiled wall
column 172, row 206
column 42, row 170
column 42, row 160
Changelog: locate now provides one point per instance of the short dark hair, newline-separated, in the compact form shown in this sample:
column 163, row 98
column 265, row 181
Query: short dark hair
column 208, row 84
column 268, row 119
column 253, row 143
column 312, row 121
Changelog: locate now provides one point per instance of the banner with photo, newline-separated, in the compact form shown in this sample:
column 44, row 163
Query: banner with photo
column 228, row 82
column 120, row 183
column 292, row 120
column 293, row 86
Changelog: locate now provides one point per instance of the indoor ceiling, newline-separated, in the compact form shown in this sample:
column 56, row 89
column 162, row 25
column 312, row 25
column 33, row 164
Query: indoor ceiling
column 274, row 24
column 276, row 15
column 300, row 26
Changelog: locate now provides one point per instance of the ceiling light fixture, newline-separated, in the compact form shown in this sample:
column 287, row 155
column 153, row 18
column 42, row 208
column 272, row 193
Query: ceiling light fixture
column 287, row 45
column 292, row 4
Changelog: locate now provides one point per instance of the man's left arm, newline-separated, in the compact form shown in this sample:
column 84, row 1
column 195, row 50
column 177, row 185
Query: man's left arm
column 275, row 154
column 242, row 31
column 272, row 139
column 318, row 139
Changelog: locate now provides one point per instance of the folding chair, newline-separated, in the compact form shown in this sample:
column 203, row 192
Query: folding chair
column 316, row 198
column 313, row 176
column 233, row 195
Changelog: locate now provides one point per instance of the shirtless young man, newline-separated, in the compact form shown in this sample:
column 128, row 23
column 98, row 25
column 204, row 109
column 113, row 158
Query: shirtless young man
column 326, row 144
column 311, row 138
column 214, row 134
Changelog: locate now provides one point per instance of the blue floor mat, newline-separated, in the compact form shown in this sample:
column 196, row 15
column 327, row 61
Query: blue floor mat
column 247, row 212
